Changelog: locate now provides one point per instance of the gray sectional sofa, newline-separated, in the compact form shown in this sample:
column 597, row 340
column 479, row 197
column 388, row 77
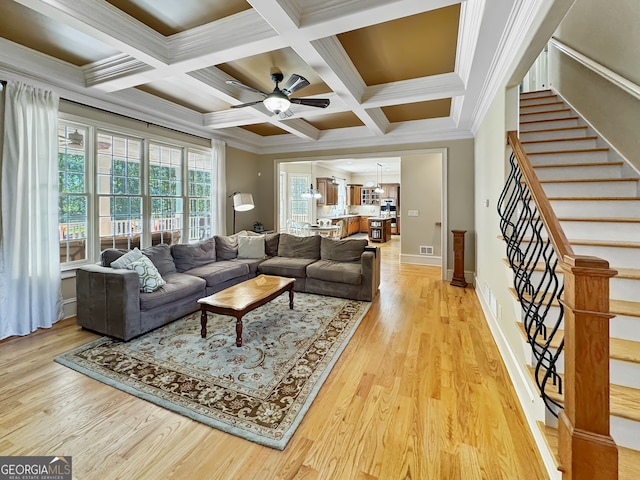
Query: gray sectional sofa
column 110, row 301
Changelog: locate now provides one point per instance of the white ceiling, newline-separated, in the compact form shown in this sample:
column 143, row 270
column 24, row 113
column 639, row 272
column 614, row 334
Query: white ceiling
column 118, row 63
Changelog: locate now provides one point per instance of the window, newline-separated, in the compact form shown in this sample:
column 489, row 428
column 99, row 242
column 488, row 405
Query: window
column 73, row 199
column 165, row 188
column 119, row 180
column 300, row 207
column 123, row 190
column 200, row 180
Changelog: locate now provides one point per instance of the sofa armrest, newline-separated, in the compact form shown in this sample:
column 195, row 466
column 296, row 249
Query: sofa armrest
column 108, row 301
column 370, row 264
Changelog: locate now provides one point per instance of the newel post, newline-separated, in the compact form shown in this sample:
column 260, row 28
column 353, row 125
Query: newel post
column 586, row 449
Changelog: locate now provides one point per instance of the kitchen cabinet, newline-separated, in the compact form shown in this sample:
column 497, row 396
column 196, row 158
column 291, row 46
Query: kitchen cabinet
column 353, row 225
column 379, row 229
column 390, row 190
column 355, row 194
column 369, row 197
column 364, row 225
column 328, row 191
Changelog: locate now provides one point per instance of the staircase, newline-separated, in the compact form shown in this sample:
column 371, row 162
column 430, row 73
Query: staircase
column 596, row 197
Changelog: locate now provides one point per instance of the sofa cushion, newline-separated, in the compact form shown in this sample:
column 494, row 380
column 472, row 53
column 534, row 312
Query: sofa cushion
column 148, row 276
column 342, row 250
column 299, row 247
column 251, row 246
column 271, row 241
column 178, row 286
column 336, row 272
column 109, row 255
column 252, row 263
column 127, row 259
column 161, row 257
column 219, row 272
column 191, row 255
column 285, row 266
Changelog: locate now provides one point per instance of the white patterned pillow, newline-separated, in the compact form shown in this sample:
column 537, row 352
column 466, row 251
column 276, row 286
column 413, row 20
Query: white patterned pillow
column 150, row 278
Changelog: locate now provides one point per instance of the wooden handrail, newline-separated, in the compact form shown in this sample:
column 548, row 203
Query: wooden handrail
column 586, row 449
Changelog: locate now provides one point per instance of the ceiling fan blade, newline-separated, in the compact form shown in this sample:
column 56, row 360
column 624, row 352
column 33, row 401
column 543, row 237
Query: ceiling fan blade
column 246, row 104
column 311, row 102
column 295, row 83
column 286, row 114
column 235, row 83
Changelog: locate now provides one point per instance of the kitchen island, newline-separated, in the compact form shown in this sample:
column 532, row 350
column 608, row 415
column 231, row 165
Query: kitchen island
column 379, row 229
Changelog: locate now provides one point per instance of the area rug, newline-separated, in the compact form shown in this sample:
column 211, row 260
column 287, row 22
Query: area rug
column 259, row 391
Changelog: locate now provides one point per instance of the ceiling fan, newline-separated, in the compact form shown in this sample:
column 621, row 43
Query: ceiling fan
column 278, row 101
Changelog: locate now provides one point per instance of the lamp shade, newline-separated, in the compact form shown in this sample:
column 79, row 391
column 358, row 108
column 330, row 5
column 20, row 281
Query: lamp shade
column 242, row 202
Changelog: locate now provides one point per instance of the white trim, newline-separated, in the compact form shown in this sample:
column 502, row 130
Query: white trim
column 469, row 276
column 618, row 80
column 529, row 400
column 70, row 307
column 421, row 259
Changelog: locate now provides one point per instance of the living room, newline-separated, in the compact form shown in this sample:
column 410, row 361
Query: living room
column 495, row 43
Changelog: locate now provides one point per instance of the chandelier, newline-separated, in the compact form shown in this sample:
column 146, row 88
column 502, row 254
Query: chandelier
column 311, row 193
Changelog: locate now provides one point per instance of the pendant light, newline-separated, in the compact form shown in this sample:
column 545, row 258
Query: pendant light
column 378, row 188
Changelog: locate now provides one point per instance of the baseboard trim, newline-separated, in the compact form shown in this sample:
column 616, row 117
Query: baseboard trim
column 70, row 307
column 469, row 276
column 421, row 260
column 530, row 401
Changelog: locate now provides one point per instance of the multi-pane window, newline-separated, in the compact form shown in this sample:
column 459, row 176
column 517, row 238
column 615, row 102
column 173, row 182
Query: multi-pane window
column 73, row 199
column 200, row 181
column 119, row 180
column 165, row 188
column 300, row 207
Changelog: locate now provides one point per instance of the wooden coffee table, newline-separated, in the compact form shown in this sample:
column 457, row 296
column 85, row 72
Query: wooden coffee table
column 240, row 299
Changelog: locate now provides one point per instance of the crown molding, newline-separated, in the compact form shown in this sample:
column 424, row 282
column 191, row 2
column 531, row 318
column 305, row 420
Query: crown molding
column 470, row 22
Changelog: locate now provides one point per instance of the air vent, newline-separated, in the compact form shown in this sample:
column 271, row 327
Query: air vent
column 424, row 250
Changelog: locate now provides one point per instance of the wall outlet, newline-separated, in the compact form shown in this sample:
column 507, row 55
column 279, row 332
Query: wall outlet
column 412, row 213
column 425, row 250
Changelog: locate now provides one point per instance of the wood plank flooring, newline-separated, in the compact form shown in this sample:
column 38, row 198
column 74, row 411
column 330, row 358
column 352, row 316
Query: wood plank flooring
column 420, row 392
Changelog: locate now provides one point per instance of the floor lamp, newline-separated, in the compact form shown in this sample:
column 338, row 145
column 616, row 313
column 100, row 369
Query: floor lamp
column 242, row 202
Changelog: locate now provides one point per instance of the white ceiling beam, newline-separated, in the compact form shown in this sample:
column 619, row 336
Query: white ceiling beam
column 299, row 128
column 446, row 85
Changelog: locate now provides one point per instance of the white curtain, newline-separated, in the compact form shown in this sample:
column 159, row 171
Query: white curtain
column 30, row 295
column 219, row 152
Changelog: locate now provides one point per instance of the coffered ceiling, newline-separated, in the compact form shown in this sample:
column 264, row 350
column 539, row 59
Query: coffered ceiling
column 395, row 71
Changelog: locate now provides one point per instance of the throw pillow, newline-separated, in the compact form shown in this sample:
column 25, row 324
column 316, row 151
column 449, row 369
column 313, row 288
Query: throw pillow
column 191, row 255
column 271, row 244
column 148, row 275
column 227, row 246
column 251, row 247
column 127, row 259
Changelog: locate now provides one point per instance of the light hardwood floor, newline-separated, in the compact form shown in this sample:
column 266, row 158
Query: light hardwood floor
column 420, row 392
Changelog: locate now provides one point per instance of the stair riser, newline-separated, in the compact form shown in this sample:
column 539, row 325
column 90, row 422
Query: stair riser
column 615, row 231
column 625, row 432
column 591, row 189
column 579, row 173
column 552, row 114
column 616, row 256
column 544, row 107
column 595, row 156
column 604, row 208
column 577, row 144
column 525, row 127
column 532, row 136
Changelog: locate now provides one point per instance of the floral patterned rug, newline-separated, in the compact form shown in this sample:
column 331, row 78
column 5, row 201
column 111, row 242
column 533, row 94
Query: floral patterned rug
column 259, row 391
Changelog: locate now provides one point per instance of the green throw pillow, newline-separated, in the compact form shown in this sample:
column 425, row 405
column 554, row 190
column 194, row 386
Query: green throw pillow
column 150, row 278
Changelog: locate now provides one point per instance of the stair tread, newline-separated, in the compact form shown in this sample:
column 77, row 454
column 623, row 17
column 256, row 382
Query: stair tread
column 628, row 460
column 580, row 150
column 619, row 349
column 623, row 400
column 627, row 273
column 548, row 120
column 590, row 180
column 595, row 199
column 592, row 243
column 534, row 93
column 600, row 219
column 551, row 140
column 585, row 164
column 522, row 107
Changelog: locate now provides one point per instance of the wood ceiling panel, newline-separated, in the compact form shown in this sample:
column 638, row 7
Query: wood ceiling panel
column 411, row 47
column 335, row 120
column 418, row 111
column 170, row 16
column 255, row 71
column 265, row 129
column 33, row 30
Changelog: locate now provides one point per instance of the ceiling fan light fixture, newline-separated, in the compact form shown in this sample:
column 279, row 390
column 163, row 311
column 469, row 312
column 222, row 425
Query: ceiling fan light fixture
column 76, row 139
column 277, row 102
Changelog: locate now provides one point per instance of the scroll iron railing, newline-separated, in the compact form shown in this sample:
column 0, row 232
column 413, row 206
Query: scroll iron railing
column 519, row 217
